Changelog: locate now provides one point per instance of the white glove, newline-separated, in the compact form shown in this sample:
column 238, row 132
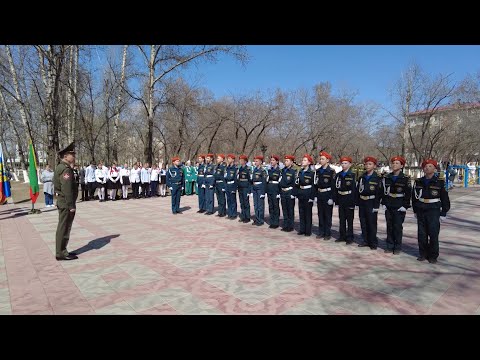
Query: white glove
column 443, row 218
column 233, row 192
column 183, row 188
column 330, row 202
column 402, row 209
column 310, row 200
column 292, row 197
column 384, row 207
column 210, row 187
column 171, row 188
column 353, row 208
column 262, row 196
column 203, row 186
column 248, row 195
column 375, row 210
column 223, row 190
column 278, row 196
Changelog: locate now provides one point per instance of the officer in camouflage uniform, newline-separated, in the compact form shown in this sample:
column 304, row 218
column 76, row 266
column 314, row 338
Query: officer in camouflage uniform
column 67, row 191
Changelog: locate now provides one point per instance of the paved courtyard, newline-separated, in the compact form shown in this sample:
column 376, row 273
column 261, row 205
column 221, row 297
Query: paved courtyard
column 135, row 257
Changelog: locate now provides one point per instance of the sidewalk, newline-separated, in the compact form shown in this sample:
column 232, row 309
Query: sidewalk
column 138, row 258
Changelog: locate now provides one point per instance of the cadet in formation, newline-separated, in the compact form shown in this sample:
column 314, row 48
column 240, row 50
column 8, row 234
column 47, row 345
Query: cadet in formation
column 397, row 191
column 259, row 178
column 344, row 197
column 231, row 172
column 176, row 184
column 430, row 202
column 244, row 188
column 369, row 194
column 201, row 184
column 188, row 173
column 220, row 185
column 325, row 183
column 287, row 183
column 273, row 191
column 305, row 192
column 209, row 184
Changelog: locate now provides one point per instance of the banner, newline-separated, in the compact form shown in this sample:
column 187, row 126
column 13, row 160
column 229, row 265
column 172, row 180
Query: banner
column 32, row 174
column 5, row 191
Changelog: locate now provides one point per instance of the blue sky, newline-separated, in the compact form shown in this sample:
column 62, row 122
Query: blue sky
column 371, row 70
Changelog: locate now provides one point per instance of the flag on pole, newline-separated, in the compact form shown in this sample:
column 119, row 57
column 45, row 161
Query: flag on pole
column 4, row 179
column 32, row 173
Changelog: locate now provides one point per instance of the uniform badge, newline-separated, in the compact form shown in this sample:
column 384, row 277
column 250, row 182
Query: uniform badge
column 348, row 183
column 66, row 176
column 400, row 189
column 434, row 192
column 307, row 181
column 325, row 180
column 372, row 187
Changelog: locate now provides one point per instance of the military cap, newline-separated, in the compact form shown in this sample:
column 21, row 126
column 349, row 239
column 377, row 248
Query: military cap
column 290, row 157
column 275, row 157
column 70, row 148
column 429, row 161
column 175, row 158
column 309, row 158
column 244, row 157
column 259, row 157
column 346, row 158
column 231, row 156
column 222, row 156
column 399, row 158
column 370, row 158
column 327, row 155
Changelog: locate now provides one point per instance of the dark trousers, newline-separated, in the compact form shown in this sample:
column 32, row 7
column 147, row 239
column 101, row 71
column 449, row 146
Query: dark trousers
column 288, row 210
column 305, row 211
column 65, row 221
column 153, row 188
column 91, row 186
column 368, row 222
column 146, row 189
column 395, row 220
column 428, row 221
column 209, row 197
column 135, row 187
column 48, row 199
column 325, row 212
column 231, row 203
column 259, row 206
column 201, row 198
column 220, row 198
column 346, row 215
column 84, row 191
column 244, row 203
column 176, row 194
column 274, row 209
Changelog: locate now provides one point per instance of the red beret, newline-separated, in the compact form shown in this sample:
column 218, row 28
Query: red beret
column 222, row 156
column 202, row 156
column 210, row 156
column 275, row 157
column 291, row 157
column 244, row 157
column 370, row 158
column 259, row 157
column 327, row 155
column 175, row 158
column 346, row 158
column 429, row 161
column 309, row 158
column 231, row 156
column 399, row 158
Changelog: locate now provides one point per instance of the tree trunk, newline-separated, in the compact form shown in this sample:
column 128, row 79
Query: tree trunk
column 151, row 85
column 119, row 105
